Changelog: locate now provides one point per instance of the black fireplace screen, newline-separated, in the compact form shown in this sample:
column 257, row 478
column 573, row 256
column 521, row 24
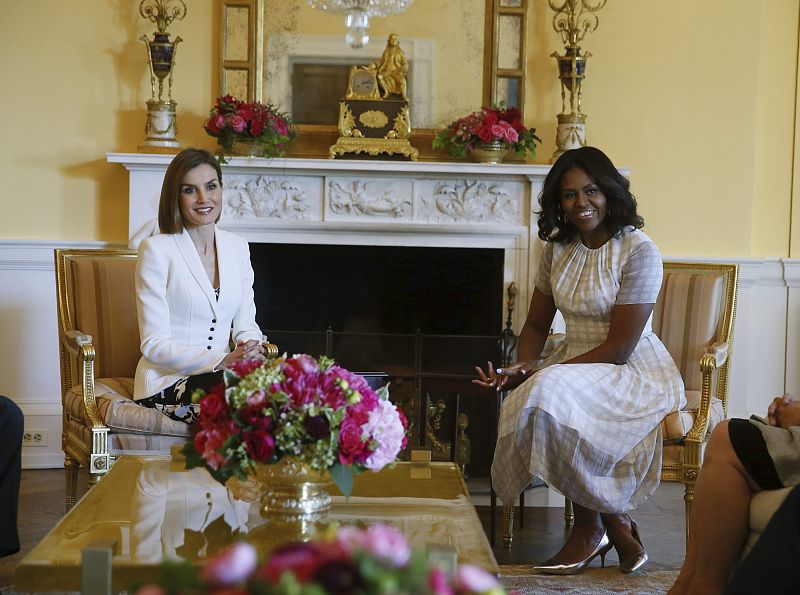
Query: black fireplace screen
column 424, row 316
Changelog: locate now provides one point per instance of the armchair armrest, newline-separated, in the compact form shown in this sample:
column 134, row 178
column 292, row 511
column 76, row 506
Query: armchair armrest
column 79, row 347
column 720, row 352
column 716, row 356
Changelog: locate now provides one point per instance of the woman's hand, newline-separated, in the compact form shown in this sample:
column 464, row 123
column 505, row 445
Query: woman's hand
column 502, row 378
column 784, row 412
column 244, row 350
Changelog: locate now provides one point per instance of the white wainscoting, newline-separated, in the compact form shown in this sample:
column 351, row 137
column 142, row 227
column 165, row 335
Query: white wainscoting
column 766, row 349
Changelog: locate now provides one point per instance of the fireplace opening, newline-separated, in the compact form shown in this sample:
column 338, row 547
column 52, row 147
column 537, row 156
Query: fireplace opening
column 425, row 316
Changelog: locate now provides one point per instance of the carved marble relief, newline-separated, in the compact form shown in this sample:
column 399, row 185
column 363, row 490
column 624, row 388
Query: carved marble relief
column 470, row 201
column 349, row 199
column 266, row 197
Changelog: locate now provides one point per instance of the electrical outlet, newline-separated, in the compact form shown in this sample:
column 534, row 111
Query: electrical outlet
column 34, row 438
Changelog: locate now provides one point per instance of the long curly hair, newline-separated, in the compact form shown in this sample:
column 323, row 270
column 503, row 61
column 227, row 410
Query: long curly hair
column 620, row 203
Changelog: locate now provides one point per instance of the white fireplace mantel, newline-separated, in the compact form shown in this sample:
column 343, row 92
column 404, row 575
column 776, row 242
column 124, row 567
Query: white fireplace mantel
column 366, row 202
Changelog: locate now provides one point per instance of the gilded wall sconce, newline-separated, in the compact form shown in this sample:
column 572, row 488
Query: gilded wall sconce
column 573, row 19
column 161, row 127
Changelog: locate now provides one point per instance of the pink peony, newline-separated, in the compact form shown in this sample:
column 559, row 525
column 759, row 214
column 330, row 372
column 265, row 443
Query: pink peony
column 474, row 579
column 388, row 543
column 232, row 565
column 387, row 429
column 383, row 541
column 437, row 582
column 207, row 443
column 243, row 367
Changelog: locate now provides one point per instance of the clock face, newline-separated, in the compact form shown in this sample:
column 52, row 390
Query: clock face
column 363, row 84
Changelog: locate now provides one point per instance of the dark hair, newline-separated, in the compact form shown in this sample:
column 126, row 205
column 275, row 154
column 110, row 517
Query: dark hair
column 620, row 203
column 169, row 206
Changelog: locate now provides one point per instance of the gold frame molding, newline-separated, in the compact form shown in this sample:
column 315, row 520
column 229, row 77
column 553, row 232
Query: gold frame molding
column 314, row 140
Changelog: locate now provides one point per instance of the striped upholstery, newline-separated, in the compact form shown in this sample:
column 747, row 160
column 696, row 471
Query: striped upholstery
column 104, row 306
column 687, row 318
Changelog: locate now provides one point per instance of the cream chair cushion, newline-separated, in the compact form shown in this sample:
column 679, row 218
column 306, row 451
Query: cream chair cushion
column 120, row 413
column 762, row 506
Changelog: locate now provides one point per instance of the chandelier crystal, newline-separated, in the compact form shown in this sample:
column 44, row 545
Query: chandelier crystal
column 357, row 14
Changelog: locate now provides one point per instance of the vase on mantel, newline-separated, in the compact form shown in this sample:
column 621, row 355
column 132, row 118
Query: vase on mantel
column 492, row 152
column 247, row 148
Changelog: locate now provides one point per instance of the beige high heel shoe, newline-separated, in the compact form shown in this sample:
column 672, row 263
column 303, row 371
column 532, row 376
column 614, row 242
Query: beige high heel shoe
column 553, row 566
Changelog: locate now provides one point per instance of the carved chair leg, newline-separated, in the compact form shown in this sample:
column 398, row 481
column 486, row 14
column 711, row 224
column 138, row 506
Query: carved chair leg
column 569, row 513
column 688, row 498
column 508, row 532
column 71, row 480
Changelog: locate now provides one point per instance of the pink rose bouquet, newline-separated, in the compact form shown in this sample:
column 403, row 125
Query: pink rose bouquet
column 317, row 411
column 233, row 120
column 490, row 124
column 373, row 561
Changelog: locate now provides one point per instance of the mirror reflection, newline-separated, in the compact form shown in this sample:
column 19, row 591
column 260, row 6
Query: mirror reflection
column 306, row 60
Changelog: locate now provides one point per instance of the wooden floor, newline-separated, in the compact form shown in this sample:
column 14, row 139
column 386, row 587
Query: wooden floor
column 660, row 520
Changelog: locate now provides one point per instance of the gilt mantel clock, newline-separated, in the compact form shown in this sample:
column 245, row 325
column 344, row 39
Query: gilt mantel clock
column 373, row 115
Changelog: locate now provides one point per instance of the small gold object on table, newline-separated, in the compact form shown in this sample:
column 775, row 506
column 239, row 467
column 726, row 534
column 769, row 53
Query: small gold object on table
column 161, row 127
column 374, row 116
column 573, row 20
column 294, row 502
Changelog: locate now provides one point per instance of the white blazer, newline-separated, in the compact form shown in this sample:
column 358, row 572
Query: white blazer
column 184, row 329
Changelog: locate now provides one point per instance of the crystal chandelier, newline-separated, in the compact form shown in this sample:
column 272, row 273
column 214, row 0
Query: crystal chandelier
column 357, row 14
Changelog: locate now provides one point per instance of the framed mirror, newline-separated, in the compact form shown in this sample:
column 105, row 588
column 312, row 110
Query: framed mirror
column 291, row 55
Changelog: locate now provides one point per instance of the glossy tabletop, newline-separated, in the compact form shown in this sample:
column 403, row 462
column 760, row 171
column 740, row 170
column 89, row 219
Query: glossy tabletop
column 152, row 509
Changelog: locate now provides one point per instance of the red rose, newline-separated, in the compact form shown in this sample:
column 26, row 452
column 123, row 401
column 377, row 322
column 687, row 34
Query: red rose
column 485, row 133
column 257, row 127
column 260, row 445
column 213, row 406
column 211, row 126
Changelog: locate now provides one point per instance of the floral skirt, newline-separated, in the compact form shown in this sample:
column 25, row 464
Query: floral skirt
column 176, row 401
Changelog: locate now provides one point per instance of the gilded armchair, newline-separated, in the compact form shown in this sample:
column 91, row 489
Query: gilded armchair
column 98, row 352
column 694, row 317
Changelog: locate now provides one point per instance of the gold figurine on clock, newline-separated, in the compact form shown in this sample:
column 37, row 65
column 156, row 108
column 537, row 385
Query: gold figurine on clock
column 373, row 115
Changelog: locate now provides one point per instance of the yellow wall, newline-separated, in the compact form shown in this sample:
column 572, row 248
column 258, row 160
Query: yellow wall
column 75, row 83
column 697, row 98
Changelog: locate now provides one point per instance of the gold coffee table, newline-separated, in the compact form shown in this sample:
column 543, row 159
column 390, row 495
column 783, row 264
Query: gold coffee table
column 151, row 509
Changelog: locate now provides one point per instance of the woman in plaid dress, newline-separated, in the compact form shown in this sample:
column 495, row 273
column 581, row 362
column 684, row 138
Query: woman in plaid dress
column 587, row 419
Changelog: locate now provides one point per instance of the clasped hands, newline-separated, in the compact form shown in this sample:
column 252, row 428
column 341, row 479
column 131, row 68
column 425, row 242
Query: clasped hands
column 244, row 350
column 503, row 378
column 784, row 412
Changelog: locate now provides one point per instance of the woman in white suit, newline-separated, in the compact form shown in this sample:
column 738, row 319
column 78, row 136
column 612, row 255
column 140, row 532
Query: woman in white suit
column 194, row 288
